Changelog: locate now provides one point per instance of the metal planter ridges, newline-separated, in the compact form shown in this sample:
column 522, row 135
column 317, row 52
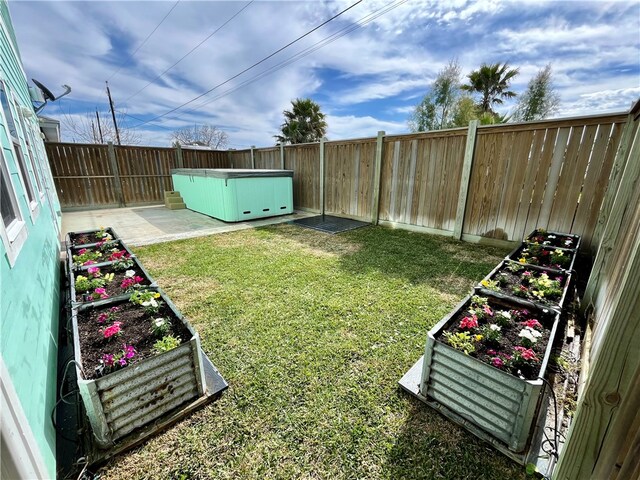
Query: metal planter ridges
column 495, row 401
column 126, row 399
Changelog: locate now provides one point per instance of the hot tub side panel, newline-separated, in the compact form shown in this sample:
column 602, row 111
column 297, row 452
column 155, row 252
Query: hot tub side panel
column 202, row 194
column 262, row 197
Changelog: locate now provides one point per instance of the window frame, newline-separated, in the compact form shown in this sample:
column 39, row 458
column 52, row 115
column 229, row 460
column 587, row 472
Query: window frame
column 15, row 234
column 18, row 155
column 28, row 141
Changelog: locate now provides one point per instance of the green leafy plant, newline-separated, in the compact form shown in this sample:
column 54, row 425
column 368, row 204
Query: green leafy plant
column 160, row 326
column 166, row 343
column 559, row 257
column 85, row 255
column 490, row 285
column 514, row 267
column 460, row 341
column 492, row 333
column 543, row 286
column 148, row 299
column 503, row 318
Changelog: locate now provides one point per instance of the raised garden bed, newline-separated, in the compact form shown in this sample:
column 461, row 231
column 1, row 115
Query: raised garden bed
column 90, row 237
column 492, row 378
column 531, row 285
column 108, row 280
column 542, row 256
column 554, row 239
column 136, row 361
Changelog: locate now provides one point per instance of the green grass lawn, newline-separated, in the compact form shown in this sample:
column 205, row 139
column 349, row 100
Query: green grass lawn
column 312, row 332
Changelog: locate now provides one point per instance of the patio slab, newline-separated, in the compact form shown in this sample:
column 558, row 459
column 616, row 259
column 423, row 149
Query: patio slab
column 156, row 223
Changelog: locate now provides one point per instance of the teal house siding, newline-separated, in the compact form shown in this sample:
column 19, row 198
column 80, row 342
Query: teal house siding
column 30, row 271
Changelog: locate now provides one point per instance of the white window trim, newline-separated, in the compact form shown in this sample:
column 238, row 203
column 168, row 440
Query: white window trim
column 30, row 147
column 21, row 456
column 15, row 234
column 34, row 206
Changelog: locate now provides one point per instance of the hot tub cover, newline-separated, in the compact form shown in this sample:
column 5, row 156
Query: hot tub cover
column 231, row 172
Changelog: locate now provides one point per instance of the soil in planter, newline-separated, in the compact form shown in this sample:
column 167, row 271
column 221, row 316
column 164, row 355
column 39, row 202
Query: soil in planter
column 518, row 285
column 113, row 288
column 136, row 331
column 487, row 352
column 549, row 257
column 86, row 238
column 553, row 240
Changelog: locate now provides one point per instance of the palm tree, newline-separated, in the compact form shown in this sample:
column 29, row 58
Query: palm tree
column 303, row 123
column 492, row 82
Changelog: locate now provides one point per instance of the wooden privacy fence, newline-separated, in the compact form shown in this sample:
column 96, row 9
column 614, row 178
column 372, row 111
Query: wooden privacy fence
column 495, row 182
column 89, row 175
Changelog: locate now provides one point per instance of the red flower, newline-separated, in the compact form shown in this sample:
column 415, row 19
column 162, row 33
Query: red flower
column 469, row 322
column 526, row 354
column 532, row 323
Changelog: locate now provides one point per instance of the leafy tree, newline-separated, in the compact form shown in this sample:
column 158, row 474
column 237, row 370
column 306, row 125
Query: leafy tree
column 438, row 107
column 303, row 123
column 465, row 111
column 205, row 135
column 492, row 83
column 540, row 100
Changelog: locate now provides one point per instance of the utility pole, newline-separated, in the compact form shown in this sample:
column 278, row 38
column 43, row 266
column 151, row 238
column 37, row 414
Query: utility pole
column 99, row 126
column 93, row 132
column 113, row 114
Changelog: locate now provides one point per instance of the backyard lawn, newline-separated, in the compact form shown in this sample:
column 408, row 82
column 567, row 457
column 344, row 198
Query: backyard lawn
column 313, row 332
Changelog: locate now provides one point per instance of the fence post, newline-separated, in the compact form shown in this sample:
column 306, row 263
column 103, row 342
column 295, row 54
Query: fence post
column 282, row 156
column 464, row 179
column 253, row 158
column 377, row 174
column 179, row 160
column 117, row 183
column 322, row 140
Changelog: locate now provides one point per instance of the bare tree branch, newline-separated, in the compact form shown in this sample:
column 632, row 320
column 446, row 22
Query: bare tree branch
column 203, row 135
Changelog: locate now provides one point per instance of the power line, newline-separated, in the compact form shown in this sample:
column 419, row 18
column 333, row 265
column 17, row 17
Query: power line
column 307, row 51
column 192, row 50
column 252, row 66
column 303, row 53
column 145, row 40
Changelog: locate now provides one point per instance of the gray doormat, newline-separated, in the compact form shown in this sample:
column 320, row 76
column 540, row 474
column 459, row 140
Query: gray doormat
column 329, row 223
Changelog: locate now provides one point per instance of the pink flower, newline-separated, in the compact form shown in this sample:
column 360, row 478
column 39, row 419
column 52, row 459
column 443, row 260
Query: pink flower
column 114, row 309
column 526, row 274
column 122, row 362
column 126, row 283
column 526, row 353
column 129, row 351
column 101, row 292
column 95, row 271
column 497, row 362
column 113, row 329
column 103, row 317
column 532, row 323
column 491, row 352
column 89, row 262
column 469, row 322
column 487, row 310
column 82, row 251
column 108, row 359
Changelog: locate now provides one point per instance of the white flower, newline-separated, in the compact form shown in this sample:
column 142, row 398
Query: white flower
column 551, row 236
column 130, row 273
column 504, row 314
column 159, row 322
column 494, row 327
column 150, row 303
column 530, row 334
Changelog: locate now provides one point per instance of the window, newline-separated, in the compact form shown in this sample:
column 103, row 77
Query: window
column 12, row 229
column 26, row 133
column 22, row 165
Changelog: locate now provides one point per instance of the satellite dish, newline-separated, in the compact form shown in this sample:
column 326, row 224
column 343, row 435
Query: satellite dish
column 46, row 93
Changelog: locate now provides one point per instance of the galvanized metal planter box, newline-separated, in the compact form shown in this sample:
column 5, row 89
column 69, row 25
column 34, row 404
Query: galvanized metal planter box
column 71, row 251
column 557, row 306
column 516, row 254
column 76, row 298
column 576, row 238
column 127, row 399
column 491, row 399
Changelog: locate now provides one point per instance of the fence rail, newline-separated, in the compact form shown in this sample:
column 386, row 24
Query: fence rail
column 493, row 182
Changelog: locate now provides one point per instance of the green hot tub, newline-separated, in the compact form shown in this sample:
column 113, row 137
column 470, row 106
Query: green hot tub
column 234, row 195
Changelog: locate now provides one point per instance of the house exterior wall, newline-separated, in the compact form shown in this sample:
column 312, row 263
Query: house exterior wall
column 29, row 267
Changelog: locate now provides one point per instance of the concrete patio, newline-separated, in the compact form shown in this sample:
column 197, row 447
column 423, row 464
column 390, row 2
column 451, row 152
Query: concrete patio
column 156, row 223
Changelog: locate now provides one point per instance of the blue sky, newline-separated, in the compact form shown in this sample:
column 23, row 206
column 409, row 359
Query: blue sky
column 365, row 81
